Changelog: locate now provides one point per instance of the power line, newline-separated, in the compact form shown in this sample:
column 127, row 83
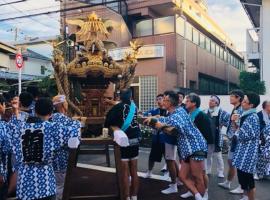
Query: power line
column 20, row 11
column 38, row 9
column 60, row 10
column 13, row 2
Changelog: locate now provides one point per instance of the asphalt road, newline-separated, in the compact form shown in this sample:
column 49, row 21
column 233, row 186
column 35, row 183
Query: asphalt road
column 215, row 192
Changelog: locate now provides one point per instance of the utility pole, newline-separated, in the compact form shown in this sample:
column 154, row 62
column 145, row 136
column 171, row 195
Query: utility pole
column 180, row 8
column 16, row 32
column 227, row 67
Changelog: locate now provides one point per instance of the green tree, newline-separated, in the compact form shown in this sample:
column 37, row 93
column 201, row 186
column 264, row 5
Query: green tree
column 4, row 86
column 251, row 82
column 48, row 85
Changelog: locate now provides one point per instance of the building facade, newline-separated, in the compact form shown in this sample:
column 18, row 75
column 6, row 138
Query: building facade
column 258, row 46
column 35, row 66
column 182, row 50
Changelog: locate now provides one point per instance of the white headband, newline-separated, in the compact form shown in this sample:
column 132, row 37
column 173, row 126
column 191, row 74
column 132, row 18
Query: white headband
column 215, row 99
column 60, row 99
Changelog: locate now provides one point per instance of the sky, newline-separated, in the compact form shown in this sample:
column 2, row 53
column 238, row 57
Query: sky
column 45, row 25
column 229, row 14
column 232, row 18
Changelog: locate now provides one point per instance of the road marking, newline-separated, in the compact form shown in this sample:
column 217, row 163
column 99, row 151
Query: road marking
column 113, row 170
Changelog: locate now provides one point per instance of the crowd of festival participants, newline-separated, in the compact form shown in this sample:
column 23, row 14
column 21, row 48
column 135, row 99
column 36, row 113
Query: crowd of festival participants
column 36, row 132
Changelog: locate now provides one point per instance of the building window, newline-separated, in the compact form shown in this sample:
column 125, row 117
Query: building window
column 221, row 54
column 180, row 26
column 189, row 32
column 192, row 85
column 210, row 85
column 164, row 25
column 217, row 51
column 195, row 37
column 202, row 41
column 213, row 47
column 114, row 6
column 225, row 56
column 148, row 92
column 144, row 28
column 208, row 44
column 42, row 69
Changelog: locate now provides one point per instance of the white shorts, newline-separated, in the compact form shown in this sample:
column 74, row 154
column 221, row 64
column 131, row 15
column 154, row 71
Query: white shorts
column 170, row 151
column 60, row 181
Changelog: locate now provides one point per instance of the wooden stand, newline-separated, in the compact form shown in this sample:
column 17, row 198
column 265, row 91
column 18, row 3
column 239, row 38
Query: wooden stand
column 73, row 162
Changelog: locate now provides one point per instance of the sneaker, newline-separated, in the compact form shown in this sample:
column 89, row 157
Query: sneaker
column 220, row 175
column 186, row 195
column 237, row 190
column 166, row 177
column 244, row 197
column 164, row 169
column 205, row 196
column 225, row 185
column 256, row 177
column 171, row 189
column 148, row 174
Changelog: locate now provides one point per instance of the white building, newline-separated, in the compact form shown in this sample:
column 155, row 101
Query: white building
column 258, row 45
column 35, row 66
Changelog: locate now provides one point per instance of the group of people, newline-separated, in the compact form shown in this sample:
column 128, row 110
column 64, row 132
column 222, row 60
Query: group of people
column 35, row 133
column 190, row 138
column 196, row 135
column 35, row 137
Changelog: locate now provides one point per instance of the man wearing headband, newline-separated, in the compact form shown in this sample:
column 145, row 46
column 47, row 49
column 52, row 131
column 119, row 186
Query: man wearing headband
column 218, row 118
column 236, row 98
column 60, row 162
column 192, row 146
column 34, row 144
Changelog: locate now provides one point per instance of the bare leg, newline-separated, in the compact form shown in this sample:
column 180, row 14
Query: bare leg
column 125, row 181
column 185, row 177
column 251, row 194
column 12, row 183
column 172, row 170
column 205, row 179
column 231, row 171
column 196, row 168
column 134, row 178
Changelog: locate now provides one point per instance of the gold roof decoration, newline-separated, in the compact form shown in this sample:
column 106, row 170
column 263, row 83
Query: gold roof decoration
column 91, row 61
column 90, row 29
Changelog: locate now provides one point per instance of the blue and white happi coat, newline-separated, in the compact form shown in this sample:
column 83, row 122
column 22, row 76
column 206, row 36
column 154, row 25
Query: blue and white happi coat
column 34, row 147
column 5, row 149
column 266, row 147
column 230, row 130
column 264, row 153
column 189, row 138
column 61, row 158
column 248, row 136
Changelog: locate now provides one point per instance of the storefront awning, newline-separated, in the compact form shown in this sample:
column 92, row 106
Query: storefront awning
column 14, row 76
